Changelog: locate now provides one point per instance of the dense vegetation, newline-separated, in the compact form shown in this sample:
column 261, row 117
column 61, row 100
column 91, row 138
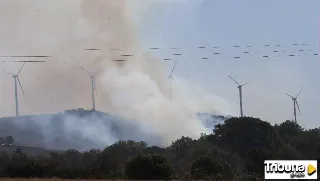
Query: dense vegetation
column 235, row 151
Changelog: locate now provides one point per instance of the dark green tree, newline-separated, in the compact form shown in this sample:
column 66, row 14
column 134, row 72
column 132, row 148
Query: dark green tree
column 178, row 153
column 148, row 167
column 206, row 168
column 113, row 159
column 255, row 161
column 288, row 152
column 289, row 131
column 308, row 139
column 239, row 135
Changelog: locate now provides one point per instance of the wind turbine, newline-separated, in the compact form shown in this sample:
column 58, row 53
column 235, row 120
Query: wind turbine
column 171, row 78
column 295, row 102
column 93, row 87
column 240, row 93
column 16, row 79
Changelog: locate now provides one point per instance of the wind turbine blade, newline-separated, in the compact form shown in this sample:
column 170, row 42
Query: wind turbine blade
column 20, row 85
column 85, row 70
column 300, row 92
column 289, row 95
column 246, row 83
column 233, row 80
column 8, row 73
column 298, row 106
column 21, row 68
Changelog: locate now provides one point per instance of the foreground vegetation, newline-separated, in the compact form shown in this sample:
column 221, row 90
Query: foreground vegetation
column 235, row 151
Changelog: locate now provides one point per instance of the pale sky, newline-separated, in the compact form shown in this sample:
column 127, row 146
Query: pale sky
column 190, row 24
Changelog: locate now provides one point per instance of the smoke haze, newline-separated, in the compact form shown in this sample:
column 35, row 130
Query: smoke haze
column 137, row 89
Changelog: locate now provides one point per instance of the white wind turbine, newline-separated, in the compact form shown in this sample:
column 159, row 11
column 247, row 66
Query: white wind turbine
column 171, row 78
column 295, row 102
column 16, row 79
column 240, row 93
column 93, row 87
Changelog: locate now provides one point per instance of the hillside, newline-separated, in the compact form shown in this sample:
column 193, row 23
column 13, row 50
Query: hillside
column 31, row 151
column 80, row 129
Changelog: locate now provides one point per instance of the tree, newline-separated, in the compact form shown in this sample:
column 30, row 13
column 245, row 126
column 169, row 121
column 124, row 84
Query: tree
column 257, row 156
column 18, row 150
column 148, row 167
column 4, row 161
column 239, row 135
column 308, row 139
column 178, row 153
column 9, row 140
column 193, row 149
column 113, row 159
column 288, row 152
column 289, row 130
column 155, row 150
column 205, row 167
column 297, row 139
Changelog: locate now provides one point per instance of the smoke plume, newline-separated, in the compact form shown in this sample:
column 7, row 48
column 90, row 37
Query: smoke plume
column 137, row 89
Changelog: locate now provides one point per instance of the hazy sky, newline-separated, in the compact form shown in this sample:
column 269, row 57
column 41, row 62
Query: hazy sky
column 186, row 24
column 189, row 24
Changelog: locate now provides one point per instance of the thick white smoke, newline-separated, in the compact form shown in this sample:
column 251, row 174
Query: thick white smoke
column 137, row 89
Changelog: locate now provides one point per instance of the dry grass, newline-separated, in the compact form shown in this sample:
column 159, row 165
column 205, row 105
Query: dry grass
column 51, row 179
column 57, row 179
column 25, row 179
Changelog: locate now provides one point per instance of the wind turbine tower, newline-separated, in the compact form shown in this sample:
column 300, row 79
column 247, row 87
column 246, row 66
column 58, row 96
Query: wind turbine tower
column 240, row 93
column 93, row 87
column 171, row 78
column 16, row 79
column 295, row 103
